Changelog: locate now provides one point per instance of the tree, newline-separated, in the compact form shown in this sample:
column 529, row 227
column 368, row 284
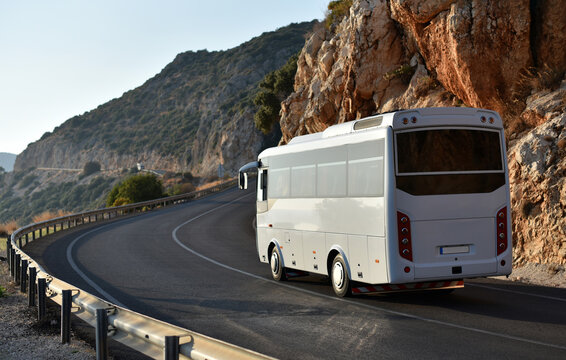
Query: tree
column 135, row 189
column 91, row 167
column 275, row 87
column 337, row 10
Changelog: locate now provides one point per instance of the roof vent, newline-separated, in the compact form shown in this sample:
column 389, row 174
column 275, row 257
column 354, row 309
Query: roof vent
column 368, row 123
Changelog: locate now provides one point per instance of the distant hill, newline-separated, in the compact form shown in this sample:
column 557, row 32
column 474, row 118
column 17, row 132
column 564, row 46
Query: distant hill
column 7, row 161
column 192, row 116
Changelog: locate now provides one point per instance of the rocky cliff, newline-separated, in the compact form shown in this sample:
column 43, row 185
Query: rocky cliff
column 506, row 55
column 195, row 114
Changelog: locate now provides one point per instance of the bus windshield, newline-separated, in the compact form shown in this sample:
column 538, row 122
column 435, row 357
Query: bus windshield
column 449, row 161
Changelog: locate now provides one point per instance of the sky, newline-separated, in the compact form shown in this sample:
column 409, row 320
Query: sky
column 61, row 58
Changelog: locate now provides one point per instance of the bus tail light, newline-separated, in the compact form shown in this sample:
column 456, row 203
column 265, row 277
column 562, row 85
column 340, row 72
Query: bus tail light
column 501, row 221
column 404, row 236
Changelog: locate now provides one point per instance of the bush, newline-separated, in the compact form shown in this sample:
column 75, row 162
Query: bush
column 26, row 181
column 91, row 167
column 337, row 10
column 404, row 72
column 135, row 189
column 275, row 87
column 183, row 189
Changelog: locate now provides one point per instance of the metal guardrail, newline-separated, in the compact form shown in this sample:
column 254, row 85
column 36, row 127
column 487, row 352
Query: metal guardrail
column 150, row 336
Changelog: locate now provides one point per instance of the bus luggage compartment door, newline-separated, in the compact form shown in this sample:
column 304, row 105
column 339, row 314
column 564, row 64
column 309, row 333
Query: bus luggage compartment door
column 458, row 247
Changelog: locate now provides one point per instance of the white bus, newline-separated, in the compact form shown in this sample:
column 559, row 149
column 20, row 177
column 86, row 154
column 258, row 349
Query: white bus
column 413, row 199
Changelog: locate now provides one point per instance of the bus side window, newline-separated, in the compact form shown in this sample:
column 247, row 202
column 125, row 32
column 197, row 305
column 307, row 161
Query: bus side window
column 262, row 193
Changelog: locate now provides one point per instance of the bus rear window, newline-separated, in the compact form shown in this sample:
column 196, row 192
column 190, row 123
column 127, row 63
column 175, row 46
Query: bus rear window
column 449, row 161
column 448, row 150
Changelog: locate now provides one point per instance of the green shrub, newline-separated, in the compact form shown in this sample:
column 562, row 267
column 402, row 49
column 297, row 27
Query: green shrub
column 26, row 181
column 135, row 189
column 274, row 88
column 404, row 72
column 91, row 167
column 337, row 10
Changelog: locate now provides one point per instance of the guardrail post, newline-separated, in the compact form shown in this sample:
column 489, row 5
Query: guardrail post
column 12, row 257
column 33, row 235
column 31, row 287
column 171, row 348
column 24, row 276
column 41, row 298
column 20, row 242
column 17, row 260
column 66, row 317
column 101, row 334
column 8, row 251
column 27, row 238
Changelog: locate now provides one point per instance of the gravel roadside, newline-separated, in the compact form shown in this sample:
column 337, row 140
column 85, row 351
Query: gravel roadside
column 23, row 337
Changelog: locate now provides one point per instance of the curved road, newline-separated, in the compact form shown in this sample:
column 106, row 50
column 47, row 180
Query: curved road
column 195, row 265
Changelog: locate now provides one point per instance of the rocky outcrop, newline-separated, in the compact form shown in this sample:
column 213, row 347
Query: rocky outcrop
column 537, row 167
column 340, row 77
column 505, row 55
column 476, row 48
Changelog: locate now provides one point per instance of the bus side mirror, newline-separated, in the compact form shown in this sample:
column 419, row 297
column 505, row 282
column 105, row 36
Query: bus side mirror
column 243, row 181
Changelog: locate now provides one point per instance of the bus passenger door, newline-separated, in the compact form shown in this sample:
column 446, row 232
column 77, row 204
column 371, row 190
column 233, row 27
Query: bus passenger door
column 262, row 191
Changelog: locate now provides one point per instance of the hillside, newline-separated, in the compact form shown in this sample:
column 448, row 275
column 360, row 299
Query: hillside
column 192, row 116
column 505, row 55
column 7, row 161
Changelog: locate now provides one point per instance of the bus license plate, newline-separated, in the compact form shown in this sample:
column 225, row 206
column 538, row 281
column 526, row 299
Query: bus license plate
column 454, row 249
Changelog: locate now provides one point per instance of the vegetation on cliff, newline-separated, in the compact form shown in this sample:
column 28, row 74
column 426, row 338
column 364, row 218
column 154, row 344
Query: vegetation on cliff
column 274, row 88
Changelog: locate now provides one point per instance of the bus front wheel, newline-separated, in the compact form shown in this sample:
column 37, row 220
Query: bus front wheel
column 339, row 277
column 277, row 270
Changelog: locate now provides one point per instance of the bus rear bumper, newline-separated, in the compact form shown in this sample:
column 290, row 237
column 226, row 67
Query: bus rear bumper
column 464, row 269
column 430, row 285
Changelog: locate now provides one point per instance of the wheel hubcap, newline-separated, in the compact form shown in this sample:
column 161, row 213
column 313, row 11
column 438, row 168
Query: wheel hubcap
column 338, row 275
column 274, row 262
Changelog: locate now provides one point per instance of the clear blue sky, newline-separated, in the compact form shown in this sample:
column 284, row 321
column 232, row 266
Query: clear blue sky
column 60, row 58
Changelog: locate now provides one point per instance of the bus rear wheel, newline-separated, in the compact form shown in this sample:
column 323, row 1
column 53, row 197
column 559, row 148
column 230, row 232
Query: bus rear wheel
column 277, row 270
column 339, row 277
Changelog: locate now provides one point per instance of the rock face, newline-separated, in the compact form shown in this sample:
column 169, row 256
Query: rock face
column 505, row 55
column 537, row 167
column 339, row 78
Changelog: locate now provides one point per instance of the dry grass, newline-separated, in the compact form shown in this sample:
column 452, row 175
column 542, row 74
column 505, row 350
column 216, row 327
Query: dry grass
column 211, row 184
column 8, row 227
column 537, row 79
column 2, row 246
column 49, row 214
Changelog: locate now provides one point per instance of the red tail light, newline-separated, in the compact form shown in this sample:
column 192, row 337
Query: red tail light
column 501, row 222
column 404, row 236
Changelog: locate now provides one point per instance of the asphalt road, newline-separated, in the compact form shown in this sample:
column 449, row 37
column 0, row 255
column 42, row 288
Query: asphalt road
column 195, row 265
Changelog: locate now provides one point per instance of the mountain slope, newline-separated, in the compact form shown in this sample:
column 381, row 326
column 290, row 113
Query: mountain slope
column 192, row 116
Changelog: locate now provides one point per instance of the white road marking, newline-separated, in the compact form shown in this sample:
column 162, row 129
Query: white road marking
column 83, row 275
column 370, row 307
